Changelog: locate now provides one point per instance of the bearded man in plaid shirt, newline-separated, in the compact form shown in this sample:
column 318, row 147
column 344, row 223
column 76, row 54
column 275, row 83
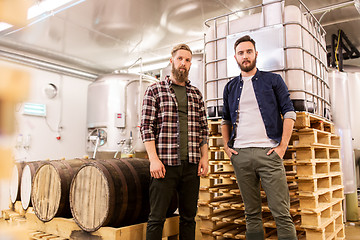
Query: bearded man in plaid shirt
column 174, row 130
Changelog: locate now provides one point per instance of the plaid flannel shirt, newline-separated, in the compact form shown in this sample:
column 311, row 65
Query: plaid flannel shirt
column 160, row 122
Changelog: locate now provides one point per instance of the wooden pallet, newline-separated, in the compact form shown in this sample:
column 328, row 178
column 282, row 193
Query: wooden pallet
column 313, row 184
column 321, row 198
column 208, row 227
column 318, row 168
column 294, row 207
column 318, row 219
column 334, row 230
column 308, row 120
column 270, row 223
column 64, row 228
column 218, row 154
column 224, row 215
column 206, row 198
column 215, row 142
column 220, row 165
column 317, row 153
column 214, row 127
column 228, row 231
column 312, row 137
column 36, row 235
column 300, row 236
column 319, row 183
column 313, row 171
column 17, row 207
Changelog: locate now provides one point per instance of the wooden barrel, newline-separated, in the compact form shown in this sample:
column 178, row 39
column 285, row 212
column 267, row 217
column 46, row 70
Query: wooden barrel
column 27, row 177
column 112, row 192
column 15, row 181
column 50, row 191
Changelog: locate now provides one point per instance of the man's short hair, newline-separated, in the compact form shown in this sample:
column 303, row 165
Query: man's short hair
column 245, row 38
column 180, row 47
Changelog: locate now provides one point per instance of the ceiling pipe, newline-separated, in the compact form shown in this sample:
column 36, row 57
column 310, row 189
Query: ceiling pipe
column 48, row 66
column 332, row 7
column 341, row 21
column 357, row 5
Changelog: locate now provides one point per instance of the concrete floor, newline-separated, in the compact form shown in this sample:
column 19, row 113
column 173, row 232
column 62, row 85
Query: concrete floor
column 352, row 229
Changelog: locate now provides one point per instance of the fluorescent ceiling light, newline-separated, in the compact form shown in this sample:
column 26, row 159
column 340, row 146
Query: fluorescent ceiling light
column 46, row 8
column 4, row 26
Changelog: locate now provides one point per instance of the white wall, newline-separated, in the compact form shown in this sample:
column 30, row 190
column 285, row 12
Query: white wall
column 68, row 109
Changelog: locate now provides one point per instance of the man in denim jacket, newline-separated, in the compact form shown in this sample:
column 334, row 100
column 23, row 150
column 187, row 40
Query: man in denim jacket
column 257, row 138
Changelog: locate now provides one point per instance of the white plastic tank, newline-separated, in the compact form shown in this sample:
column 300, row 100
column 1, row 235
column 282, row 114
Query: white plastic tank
column 216, row 56
column 113, row 113
column 341, row 116
column 272, row 12
column 302, row 63
column 196, row 74
column 295, row 76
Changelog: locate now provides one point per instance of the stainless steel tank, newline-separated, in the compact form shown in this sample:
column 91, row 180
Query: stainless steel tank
column 113, row 114
column 353, row 73
column 340, row 103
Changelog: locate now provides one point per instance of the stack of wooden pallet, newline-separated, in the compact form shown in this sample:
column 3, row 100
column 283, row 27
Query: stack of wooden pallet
column 221, row 208
column 313, row 170
column 65, row 228
column 318, row 165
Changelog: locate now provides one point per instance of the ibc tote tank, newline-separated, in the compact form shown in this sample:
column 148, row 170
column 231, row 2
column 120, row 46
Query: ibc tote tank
column 292, row 46
column 196, row 75
column 113, row 112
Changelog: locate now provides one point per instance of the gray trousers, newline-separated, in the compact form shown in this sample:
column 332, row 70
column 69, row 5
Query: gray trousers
column 251, row 165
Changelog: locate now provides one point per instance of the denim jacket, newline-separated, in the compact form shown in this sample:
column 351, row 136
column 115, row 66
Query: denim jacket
column 273, row 99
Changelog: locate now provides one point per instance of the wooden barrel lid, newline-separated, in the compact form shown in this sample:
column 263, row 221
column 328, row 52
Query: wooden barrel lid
column 15, row 181
column 46, row 197
column 89, row 197
column 26, row 182
column 26, row 185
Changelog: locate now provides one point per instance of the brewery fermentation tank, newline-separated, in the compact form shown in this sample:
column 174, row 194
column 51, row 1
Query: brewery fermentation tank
column 345, row 104
column 113, row 114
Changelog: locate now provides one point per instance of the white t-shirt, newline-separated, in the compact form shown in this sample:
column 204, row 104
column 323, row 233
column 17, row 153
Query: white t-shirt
column 250, row 131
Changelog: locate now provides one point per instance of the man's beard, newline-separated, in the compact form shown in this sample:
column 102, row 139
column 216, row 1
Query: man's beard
column 181, row 76
column 249, row 67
